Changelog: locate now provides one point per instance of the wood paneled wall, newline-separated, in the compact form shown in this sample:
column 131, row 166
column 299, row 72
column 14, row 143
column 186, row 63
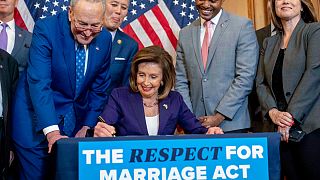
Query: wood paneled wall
column 255, row 10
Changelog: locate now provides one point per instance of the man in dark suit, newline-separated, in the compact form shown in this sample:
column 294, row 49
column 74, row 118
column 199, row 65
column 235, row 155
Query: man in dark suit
column 8, row 78
column 17, row 43
column 123, row 46
column 67, row 78
column 18, row 39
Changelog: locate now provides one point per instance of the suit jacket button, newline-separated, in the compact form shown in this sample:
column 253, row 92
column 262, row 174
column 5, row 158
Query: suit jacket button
column 288, row 93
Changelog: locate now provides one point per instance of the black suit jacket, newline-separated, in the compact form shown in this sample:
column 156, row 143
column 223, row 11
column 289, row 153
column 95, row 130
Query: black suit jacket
column 8, row 77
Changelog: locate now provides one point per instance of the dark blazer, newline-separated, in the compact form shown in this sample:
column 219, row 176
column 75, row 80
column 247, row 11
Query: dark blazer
column 21, row 47
column 125, row 111
column 123, row 50
column 51, row 81
column 8, row 78
column 301, row 75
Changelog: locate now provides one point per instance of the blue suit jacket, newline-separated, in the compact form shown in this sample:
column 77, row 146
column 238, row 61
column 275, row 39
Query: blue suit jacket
column 51, row 79
column 123, row 50
column 125, row 111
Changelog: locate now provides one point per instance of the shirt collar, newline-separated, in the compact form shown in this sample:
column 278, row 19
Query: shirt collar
column 11, row 24
column 113, row 33
column 214, row 20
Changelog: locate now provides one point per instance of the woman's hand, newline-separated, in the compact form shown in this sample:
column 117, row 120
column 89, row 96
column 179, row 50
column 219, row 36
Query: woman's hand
column 284, row 131
column 280, row 118
column 214, row 130
column 104, row 130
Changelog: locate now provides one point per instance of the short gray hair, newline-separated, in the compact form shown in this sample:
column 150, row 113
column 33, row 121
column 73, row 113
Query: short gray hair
column 74, row 2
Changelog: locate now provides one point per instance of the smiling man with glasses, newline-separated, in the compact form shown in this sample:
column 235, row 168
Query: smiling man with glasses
column 68, row 76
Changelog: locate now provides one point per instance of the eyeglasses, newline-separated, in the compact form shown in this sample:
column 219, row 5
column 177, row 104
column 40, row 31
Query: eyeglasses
column 82, row 26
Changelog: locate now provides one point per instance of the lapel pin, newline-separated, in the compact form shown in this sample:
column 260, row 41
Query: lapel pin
column 165, row 106
column 119, row 41
column 20, row 35
column 97, row 48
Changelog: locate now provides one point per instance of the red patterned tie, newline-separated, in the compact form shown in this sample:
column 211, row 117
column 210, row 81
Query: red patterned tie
column 206, row 43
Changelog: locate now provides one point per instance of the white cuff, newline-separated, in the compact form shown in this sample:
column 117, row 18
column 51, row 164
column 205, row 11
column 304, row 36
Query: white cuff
column 50, row 129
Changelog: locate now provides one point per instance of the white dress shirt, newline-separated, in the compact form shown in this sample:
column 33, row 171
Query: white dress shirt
column 11, row 28
column 214, row 22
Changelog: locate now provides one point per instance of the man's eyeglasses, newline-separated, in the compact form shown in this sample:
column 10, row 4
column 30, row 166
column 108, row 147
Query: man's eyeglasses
column 82, row 26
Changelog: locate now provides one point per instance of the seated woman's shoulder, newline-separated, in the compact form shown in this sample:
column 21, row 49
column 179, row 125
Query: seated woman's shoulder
column 174, row 94
column 121, row 90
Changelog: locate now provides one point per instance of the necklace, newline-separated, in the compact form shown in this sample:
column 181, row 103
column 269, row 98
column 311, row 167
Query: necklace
column 150, row 105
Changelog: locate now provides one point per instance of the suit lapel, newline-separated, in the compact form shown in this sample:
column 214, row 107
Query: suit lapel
column 218, row 32
column 19, row 40
column 137, row 107
column 68, row 48
column 116, row 45
column 164, row 114
column 274, row 55
column 195, row 28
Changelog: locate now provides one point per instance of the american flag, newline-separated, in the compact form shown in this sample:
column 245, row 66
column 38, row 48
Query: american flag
column 149, row 22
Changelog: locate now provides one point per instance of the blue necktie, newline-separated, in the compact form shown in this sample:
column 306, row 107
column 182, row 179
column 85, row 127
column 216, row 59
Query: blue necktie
column 80, row 64
column 70, row 117
column 3, row 37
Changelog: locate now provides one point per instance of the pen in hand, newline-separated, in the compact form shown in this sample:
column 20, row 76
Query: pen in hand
column 101, row 119
column 104, row 121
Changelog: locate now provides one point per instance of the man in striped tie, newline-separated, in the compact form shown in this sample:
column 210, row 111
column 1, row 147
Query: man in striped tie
column 67, row 78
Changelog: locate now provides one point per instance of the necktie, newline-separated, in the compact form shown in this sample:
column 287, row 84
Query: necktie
column 3, row 37
column 70, row 117
column 80, row 63
column 206, row 43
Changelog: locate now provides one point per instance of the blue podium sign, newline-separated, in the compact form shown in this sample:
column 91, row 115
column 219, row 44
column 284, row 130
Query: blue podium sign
column 169, row 158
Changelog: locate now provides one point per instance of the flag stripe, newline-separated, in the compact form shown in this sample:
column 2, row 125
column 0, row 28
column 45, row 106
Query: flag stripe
column 165, row 26
column 141, row 34
column 18, row 20
column 172, row 22
column 156, row 26
column 128, row 29
column 25, row 15
column 153, row 36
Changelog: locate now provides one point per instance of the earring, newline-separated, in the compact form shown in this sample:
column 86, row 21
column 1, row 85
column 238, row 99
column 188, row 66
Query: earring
column 161, row 83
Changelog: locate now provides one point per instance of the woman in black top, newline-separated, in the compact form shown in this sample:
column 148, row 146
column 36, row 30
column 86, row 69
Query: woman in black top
column 288, row 86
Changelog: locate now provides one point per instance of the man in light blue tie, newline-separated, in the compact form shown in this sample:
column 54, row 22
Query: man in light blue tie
column 67, row 77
